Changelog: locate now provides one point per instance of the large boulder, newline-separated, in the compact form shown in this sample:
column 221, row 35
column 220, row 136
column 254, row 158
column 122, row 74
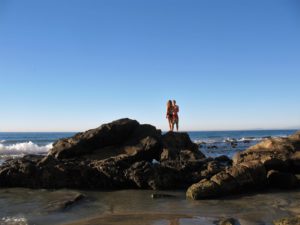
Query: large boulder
column 234, row 180
column 270, row 148
column 178, row 146
column 117, row 137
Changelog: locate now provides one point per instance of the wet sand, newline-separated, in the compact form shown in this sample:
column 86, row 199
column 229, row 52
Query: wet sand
column 130, row 207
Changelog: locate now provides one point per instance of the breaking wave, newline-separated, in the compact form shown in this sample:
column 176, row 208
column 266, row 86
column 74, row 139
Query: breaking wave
column 13, row 221
column 24, row 148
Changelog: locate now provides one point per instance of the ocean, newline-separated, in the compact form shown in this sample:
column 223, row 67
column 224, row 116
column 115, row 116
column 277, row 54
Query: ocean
column 211, row 143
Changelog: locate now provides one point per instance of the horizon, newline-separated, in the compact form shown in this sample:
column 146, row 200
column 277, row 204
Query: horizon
column 297, row 128
column 231, row 65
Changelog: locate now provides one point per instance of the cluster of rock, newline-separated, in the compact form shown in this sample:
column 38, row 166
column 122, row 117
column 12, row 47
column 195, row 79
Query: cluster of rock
column 125, row 154
column 274, row 162
column 119, row 155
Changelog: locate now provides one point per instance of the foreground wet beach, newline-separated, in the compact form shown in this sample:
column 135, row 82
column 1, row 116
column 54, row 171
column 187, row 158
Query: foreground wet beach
column 25, row 206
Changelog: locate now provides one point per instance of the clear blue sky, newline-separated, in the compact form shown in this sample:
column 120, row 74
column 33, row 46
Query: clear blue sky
column 72, row 65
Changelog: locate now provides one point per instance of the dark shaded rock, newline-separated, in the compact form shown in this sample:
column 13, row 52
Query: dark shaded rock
column 282, row 180
column 204, row 189
column 87, row 142
column 178, row 146
column 168, row 174
column 258, row 173
column 65, row 202
column 224, row 160
column 228, row 221
column 288, row 221
column 140, row 173
column 147, row 149
column 178, row 140
column 277, row 164
column 237, row 179
column 212, row 147
column 295, row 162
column 227, row 183
column 119, row 137
column 214, row 167
column 201, row 144
column 166, row 178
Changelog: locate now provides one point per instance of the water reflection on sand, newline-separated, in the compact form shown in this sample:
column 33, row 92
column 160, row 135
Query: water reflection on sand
column 130, row 207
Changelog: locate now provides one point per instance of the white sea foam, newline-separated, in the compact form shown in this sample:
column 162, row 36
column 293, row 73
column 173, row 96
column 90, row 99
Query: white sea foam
column 24, row 148
column 250, row 139
column 13, row 221
column 2, row 141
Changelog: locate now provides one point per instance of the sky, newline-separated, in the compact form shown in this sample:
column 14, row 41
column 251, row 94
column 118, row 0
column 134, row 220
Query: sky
column 73, row 65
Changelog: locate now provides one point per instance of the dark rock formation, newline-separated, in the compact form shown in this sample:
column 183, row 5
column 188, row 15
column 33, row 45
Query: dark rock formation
column 238, row 178
column 123, row 136
column 272, row 163
column 279, row 148
column 126, row 154
column 178, row 146
column 117, row 155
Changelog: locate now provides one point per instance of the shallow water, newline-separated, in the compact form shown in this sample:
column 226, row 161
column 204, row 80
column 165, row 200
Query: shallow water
column 26, row 206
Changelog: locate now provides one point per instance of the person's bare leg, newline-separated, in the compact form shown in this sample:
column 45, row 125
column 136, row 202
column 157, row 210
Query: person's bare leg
column 170, row 125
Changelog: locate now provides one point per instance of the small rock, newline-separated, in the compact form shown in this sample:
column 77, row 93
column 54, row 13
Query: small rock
column 228, row 221
column 64, row 203
column 156, row 196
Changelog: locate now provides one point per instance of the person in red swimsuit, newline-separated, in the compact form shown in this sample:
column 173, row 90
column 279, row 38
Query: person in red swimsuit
column 169, row 114
column 175, row 115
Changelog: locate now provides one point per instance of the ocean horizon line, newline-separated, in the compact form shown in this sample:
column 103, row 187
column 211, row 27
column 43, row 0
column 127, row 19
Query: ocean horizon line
column 165, row 131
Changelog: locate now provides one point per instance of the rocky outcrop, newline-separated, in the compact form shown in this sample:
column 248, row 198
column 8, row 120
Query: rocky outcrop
column 238, row 178
column 125, row 154
column 118, row 155
column 123, row 136
column 273, row 163
column 178, row 146
column 271, row 148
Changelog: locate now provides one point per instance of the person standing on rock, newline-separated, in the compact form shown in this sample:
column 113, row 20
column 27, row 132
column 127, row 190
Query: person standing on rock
column 169, row 114
column 175, row 115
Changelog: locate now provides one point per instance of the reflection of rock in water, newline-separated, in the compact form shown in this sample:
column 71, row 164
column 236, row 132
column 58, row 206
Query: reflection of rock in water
column 136, row 207
column 64, row 202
